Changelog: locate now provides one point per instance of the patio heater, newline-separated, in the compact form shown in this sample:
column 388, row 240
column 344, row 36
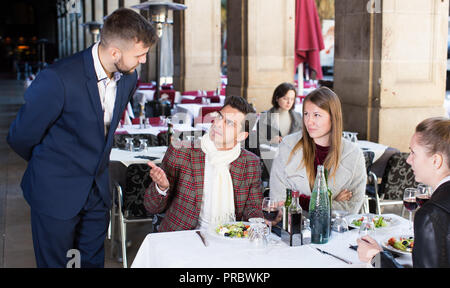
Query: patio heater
column 94, row 29
column 41, row 48
column 158, row 13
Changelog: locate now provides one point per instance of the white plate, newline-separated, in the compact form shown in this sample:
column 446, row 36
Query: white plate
column 385, row 244
column 214, row 233
column 389, row 220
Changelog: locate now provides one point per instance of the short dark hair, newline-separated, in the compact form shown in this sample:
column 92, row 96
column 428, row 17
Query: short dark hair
column 280, row 91
column 126, row 24
column 239, row 103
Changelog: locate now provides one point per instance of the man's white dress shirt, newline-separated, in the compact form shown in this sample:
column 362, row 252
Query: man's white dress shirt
column 107, row 88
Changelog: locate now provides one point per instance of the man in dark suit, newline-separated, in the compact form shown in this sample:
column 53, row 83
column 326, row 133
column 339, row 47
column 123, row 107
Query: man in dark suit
column 65, row 131
column 215, row 181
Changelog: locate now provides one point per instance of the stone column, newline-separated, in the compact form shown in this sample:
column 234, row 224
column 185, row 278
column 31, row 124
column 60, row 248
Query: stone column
column 390, row 66
column 112, row 5
column 197, row 45
column 88, row 17
column 129, row 3
column 99, row 11
column 260, row 46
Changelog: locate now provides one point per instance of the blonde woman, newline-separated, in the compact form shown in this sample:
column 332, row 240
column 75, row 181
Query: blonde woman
column 430, row 161
column 320, row 143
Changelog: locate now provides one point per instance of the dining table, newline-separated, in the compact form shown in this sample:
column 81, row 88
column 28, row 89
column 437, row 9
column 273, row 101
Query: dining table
column 192, row 110
column 154, row 130
column 126, row 157
column 185, row 249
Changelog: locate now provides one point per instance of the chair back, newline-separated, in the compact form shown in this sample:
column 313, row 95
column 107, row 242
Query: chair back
column 206, row 110
column 252, row 144
column 137, row 181
column 191, row 93
column 155, row 121
column 368, row 156
column 196, row 100
column 170, row 96
column 397, row 177
column 214, row 99
column 167, row 87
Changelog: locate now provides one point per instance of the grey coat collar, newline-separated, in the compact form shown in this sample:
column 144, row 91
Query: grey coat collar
column 295, row 117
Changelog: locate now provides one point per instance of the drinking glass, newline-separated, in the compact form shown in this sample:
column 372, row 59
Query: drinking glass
column 144, row 145
column 423, row 194
column 258, row 234
column 367, row 226
column 346, row 135
column 353, row 137
column 270, row 211
column 129, row 145
column 340, row 225
column 162, row 120
column 409, row 200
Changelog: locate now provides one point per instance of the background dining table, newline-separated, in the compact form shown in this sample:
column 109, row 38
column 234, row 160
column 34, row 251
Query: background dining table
column 185, row 249
column 154, row 130
column 127, row 157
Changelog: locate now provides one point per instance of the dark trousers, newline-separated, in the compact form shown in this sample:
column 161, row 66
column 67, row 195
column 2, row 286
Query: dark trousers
column 57, row 242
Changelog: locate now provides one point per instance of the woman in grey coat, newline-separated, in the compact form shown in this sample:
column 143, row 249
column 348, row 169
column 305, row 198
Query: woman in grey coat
column 320, row 143
column 281, row 119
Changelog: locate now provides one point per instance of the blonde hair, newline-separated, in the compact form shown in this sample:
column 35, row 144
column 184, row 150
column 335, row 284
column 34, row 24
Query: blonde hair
column 434, row 135
column 327, row 100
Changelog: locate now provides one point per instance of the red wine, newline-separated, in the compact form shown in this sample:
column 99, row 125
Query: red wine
column 410, row 204
column 422, row 199
column 304, row 202
column 270, row 215
column 295, row 223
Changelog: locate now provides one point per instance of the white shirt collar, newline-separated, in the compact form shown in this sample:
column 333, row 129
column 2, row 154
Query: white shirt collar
column 443, row 181
column 101, row 74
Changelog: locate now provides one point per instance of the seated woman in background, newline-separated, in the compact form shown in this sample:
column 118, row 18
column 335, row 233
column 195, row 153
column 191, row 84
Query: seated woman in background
column 281, row 119
column 320, row 143
column 430, row 161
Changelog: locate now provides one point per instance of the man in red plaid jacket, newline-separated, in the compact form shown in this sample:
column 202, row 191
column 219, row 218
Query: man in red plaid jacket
column 178, row 185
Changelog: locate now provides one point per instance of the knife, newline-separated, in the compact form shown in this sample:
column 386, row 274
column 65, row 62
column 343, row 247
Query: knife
column 337, row 257
column 205, row 242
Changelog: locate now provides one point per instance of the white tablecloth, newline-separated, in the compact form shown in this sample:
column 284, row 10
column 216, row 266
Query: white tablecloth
column 128, row 157
column 203, row 126
column 193, row 97
column 377, row 148
column 147, row 95
column 155, row 130
column 185, row 249
column 193, row 110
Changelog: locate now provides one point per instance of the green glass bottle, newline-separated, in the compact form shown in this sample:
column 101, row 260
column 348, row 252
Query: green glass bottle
column 285, row 208
column 329, row 194
column 319, row 209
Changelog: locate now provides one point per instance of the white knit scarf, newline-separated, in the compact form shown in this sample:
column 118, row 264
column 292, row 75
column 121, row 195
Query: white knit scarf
column 222, row 198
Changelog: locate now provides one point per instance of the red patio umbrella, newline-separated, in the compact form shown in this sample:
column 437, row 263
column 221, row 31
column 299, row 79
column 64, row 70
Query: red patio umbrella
column 308, row 36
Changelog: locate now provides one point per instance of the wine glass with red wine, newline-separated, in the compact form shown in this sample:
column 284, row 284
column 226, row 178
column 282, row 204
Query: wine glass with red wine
column 270, row 211
column 409, row 201
column 423, row 194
